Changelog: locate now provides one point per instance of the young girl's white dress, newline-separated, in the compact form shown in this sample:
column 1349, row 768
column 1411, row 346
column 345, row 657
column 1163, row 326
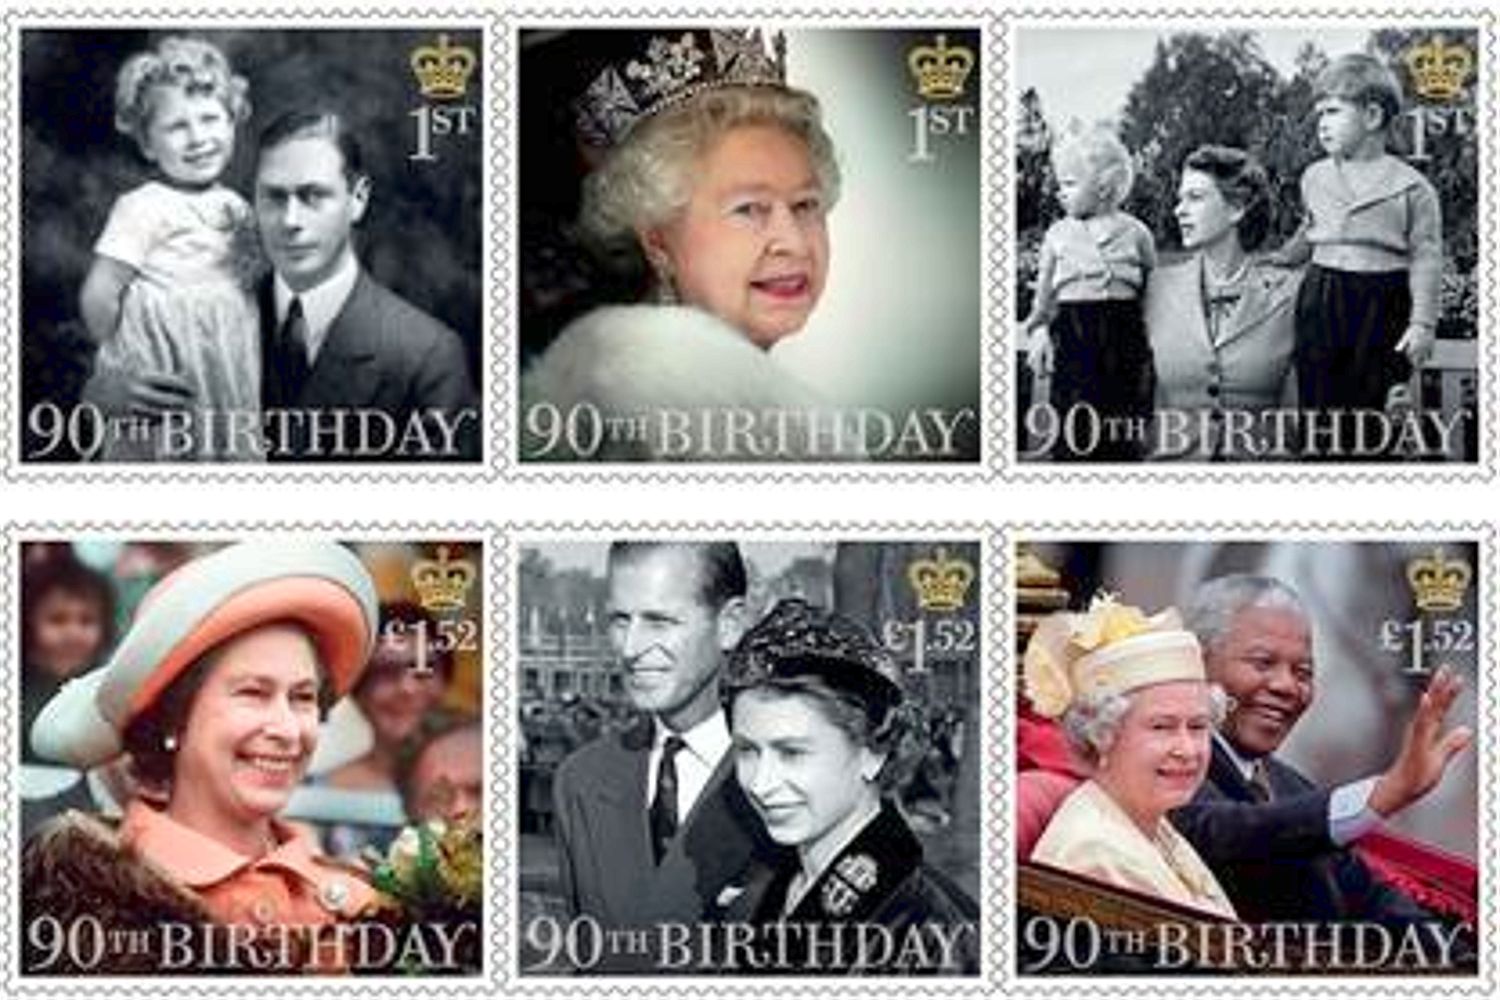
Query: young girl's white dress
column 190, row 312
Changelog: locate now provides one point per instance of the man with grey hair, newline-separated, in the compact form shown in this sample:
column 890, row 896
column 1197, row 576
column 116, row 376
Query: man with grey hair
column 1277, row 842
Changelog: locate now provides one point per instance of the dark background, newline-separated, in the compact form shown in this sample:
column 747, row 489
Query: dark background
column 421, row 235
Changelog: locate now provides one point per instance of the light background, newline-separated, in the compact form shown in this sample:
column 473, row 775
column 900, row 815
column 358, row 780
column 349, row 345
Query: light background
column 899, row 320
column 1118, row 57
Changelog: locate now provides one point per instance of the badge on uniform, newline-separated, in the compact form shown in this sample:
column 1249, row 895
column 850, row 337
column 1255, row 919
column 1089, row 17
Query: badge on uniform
column 852, row 877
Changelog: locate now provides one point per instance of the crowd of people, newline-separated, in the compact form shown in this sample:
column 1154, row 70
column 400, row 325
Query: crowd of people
column 406, row 742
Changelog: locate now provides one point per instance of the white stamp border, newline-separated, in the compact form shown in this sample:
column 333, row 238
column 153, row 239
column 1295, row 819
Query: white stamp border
column 494, row 726
column 495, row 272
column 1255, row 987
column 993, row 909
column 1185, row 15
column 991, row 346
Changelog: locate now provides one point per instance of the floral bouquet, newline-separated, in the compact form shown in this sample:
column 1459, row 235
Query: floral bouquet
column 433, row 874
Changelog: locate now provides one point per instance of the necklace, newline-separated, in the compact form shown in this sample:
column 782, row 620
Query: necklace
column 1236, row 276
column 1189, row 875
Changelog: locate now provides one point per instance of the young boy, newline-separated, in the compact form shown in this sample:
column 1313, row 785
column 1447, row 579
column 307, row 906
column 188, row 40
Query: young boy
column 1368, row 308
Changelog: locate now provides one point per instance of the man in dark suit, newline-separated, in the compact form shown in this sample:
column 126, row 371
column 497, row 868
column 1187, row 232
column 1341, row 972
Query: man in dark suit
column 652, row 826
column 351, row 370
column 1278, row 843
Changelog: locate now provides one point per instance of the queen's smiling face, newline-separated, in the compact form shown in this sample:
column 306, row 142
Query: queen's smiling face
column 751, row 246
column 801, row 772
column 1160, row 753
column 251, row 730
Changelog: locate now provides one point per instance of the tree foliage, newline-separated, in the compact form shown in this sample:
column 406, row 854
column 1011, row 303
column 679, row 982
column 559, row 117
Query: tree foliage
column 1219, row 87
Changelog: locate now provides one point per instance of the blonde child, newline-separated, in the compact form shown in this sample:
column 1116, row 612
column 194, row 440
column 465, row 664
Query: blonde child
column 1086, row 322
column 169, row 287
column 1368, row 307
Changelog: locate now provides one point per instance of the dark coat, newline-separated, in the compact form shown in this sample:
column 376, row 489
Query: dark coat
column 382, row 354
column 1275, row 859
column 878, row 880
column 605, row 857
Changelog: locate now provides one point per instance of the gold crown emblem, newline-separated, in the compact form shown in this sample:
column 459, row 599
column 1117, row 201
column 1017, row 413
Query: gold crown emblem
column 442, row 584
column 1438, row 583
column 941, row 583
column 1439, row 70
column 941, row 69
column 443, row 70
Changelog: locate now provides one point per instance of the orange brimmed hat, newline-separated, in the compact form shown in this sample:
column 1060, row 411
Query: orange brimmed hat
column 318, row 585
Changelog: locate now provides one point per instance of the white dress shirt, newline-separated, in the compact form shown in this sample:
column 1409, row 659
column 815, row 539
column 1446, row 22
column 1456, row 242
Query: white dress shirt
column 706, row 745
column 321, row 305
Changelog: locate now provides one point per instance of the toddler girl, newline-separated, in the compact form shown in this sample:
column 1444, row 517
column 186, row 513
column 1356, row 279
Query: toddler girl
column 169, row 288
column 1087, row 317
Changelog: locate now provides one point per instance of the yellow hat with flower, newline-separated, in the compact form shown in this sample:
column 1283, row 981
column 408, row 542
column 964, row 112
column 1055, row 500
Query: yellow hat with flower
column 1110, row 649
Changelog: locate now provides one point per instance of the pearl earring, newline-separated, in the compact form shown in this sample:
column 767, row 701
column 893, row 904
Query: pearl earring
column 666, row 289
column 169, row 743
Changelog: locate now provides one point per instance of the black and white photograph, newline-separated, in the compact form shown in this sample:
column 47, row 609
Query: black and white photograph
column 751, row 245
column 249, row 245
column 1247, row 243
column 749, row 759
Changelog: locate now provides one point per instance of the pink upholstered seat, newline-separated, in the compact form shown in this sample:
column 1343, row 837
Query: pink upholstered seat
column 1038, row 794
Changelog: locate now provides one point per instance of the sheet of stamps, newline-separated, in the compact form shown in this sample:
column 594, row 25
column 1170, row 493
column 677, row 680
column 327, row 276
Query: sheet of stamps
column 747, row 754
column 237, row 242
column 755, row 242
column 246, row 754
column 1244, row 751
column 1252, row 239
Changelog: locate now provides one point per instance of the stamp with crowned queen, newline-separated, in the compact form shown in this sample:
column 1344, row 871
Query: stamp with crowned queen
column 731, row 259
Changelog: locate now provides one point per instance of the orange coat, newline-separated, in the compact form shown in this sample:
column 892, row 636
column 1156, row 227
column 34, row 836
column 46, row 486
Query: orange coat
column 288, row 887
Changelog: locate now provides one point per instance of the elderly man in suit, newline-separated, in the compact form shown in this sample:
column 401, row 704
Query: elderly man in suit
column 650, row 822
column 1277, row 842
column 350, row 370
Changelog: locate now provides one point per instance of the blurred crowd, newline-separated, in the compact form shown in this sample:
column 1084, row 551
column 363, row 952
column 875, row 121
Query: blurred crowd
column 405, row 746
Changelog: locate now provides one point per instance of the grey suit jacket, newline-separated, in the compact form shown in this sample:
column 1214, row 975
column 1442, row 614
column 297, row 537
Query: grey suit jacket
column 381, row 354
column 1246, row 369
column 605, row 843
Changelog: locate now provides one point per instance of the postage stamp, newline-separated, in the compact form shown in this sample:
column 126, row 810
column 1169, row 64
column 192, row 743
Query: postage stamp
column 1244, row 751
column 747, row 754
column 247, row 754
column 1256, row 240
column 234, row 244
column 729, row 254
